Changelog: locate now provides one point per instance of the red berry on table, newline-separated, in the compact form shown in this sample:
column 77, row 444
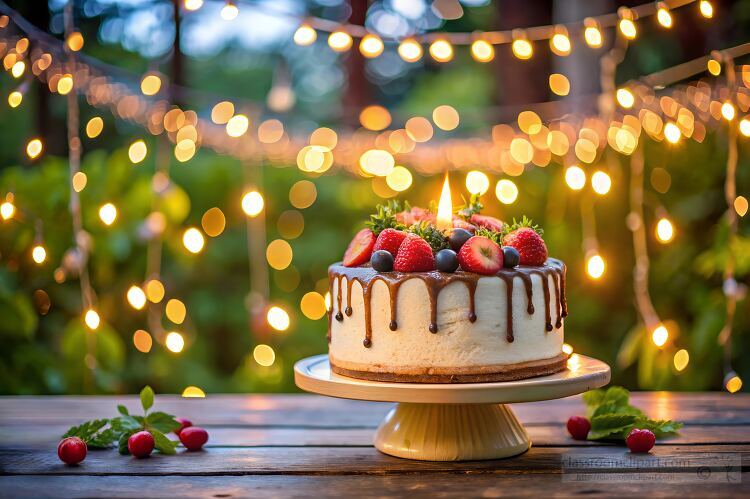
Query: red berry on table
column 184, row 423
column 414, row 255
column 141, row 444
column 579, row 427
column 360, row 248
column 487, row 222
column 389, row 240
column 481, row 255
column 72, row 450
column 640, row 441
column 529, row 244
column 194, row 437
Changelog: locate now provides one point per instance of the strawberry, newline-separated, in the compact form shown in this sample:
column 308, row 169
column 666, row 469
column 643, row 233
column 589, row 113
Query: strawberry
column 529, row 244
column 414, row 255
column 481, row 255
column 360, row 249
column 389, row 240
column 460, row 223
column 487, row 222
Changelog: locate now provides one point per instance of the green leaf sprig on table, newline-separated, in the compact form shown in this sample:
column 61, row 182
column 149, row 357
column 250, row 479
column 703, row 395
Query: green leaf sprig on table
column 103, row 433
column 613, row 418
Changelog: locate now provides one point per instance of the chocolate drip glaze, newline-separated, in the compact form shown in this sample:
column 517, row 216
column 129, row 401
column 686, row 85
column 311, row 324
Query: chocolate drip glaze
column 436, row 281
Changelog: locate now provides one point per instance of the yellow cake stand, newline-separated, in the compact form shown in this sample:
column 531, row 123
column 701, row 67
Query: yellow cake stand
column 452, row 422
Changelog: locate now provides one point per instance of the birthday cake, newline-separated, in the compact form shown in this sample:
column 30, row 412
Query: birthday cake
column 421, row 299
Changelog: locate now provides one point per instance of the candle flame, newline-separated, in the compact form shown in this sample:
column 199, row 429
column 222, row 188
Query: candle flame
column 445, row 207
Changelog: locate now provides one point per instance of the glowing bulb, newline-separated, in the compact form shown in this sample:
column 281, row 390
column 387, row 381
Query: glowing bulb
column 399, row 179
column 75, row 41
column 664, row 230
column 108, row 213
column 601, row 182
column 18, row 69
column 628, row 29
column 745, row 127
column 740, row 205
column 482, row 51
column 672, row 133
column 278, row 318
column 264, row 355
column 732, row 382
column 445, row 207
column 522, row 48
column 371, row 45
column 154, row 291
column 193, row 4
column 339, row 41
column 252, row 203
column 567, row 348
column 305, row 35
column 410, row 50
column 728, row 111
column 39, row 254
column 7, row 210
column 15, row 98
column 65, row 85
column 477, row 182
column 714, row 67
column 94, row 127
column 707, row 10
column 176, row 311
column 150, row 84
column 193, row 240
column 92, row 319
column 625, row 98
column 663, row 16
column 229, row 12
column 681, row 359
column 595, row 266
column 34, row 148
column 592, row 34
column 136, row 297
column 560, row 44
column 137, row 151
column 441, row 50
column 660, row 335
column 175, row 342
column 506, row 191
column 79, row 181
column 575, row 177
column 237, row 125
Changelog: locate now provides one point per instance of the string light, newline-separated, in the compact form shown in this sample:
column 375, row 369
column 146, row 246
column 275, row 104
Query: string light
column 305, row 35
column 137, row 151
column 681, row 359
column 728, row 111
column 92, row 319
column 65, row 84
column 7, row 210
column 15, row 98
column 230, row 11
column 371, row 45
column 155, row 291
column 34, row 148
column 39, row 254
column 94, row 127
column 672, row 133
column 150, row 84
column 264, row 355
column 441, row 50
column 18, row 68
column 410, row 50
column 660, row 335
column 193, row 240
column 482, row 51
column 714, row 67
column 744, row 127
column 625, row 98
column 477, row 182
column 522, row 48
column 559, row 84
column 664, row 230
column 142, row 341
column 601, row 182
column 278, row 318
column 560, row 42
column 252, row 203
column 176, row 311
column 108, row 213
column 626, row 25
column 706, row 8
column 732, row 382
column 75, row 41
column 175, row 342
column 79, row 181
column 193, row 5
column 575, row 177
column 237, row 125
column 279, row 254
column 339, row 41
column 595, row 266
column 740, row 205
column 506, row 191
column 592, row 34
column 663, row 15
column 136, row 297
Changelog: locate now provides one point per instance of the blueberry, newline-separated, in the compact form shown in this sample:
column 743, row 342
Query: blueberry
column 511, row 257
column 382, row 261
column 446, row 260
column 458, row 237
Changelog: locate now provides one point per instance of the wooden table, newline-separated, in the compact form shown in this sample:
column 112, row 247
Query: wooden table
column 311, row 446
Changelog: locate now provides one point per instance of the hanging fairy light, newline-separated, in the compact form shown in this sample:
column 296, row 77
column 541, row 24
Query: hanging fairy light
column 65, row 84
column 94, row 127
column 477, row 182
column 672, row 133
column 706, row 8
column 74, row 41
column 595, row 266
column 506, row 191
column 174, row 342
column 663, row 16
column 732, row 382
column 34, row 148
column 230, row 11
column 625, row 98
column 252, row 203
column 660, row 335
column 137, row 151
column 482, row 51
column 681, row 360
column 92, row 319
column 728, row 111
column 305, row 35
column 744, row 127
column 371, row 45
column 410, row 50
column 340, row 41
column 237, row 125
column 714, row 67
column 560, row 42
column 108, row 213
column 18, row 68
column 193, row 240
column 575, row 177
column 664, row 230
column 278, row 318
column 592, row 33
column 15, row 98
column 521, row 47
column 7, row 210
column 39, row 254
column 136, row 297
column 626, row 25
column 601, row 182
column 441, row 50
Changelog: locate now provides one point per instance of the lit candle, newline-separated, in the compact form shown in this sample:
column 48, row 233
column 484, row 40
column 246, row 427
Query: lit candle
column 445, row 207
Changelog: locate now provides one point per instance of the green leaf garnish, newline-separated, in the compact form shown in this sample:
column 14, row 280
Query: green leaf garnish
column 147, row 397
column 492, row 235
column 472, row 208
column 434, row 236
column 385, row 218
column 162, row 421
column 162, row 443
column 525, row 222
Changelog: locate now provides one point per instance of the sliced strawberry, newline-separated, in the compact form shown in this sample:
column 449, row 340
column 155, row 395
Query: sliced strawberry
column 389, row 240
column 481, row 255
column 529, row 244
column 487, row 222
column 460, row 223
column 414, row 255
column 359, row 249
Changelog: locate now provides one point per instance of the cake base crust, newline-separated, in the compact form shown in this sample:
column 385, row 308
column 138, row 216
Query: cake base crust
column 479, row 374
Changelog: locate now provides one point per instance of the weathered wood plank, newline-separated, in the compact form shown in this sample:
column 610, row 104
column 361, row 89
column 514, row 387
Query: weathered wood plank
column 361, row 460
column 545, row 435
column 316, row 411
column 421, row 485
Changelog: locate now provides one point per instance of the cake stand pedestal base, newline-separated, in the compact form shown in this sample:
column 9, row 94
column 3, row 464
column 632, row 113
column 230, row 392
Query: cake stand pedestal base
column 451, row 432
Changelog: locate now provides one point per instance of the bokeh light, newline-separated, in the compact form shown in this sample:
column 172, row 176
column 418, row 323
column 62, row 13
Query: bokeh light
column 303, row 194
column 237, row 125
column 222, row 112
column 279, row 254
column 142, row 341
column 522, row 48
column 595, row 266
column 575, row 177
column 377, row 162
column 305, row 35
column 108, row 213
column 193, row 392
column 175, row 311
column 477, row 182
column 559, row 84
column 136, row 297
column 375, row 118
column 339, row 41
column 137, row 151
column 155, row 291
column 664, row 230
column 410, row 50
column 252, row 203
column 399, row 179
column 660, row 335
column 34, row 148
column 313, row 305
column 681, row 359
column 38, row 254
column 446, row 117
column 482, row 51
column 193, row 240
column 264, row 355
column 625, row 98
column 174, row 342
column 150, row 84
column 92, row 319
column 277, row 318
column 601, row 182
column 94, row 127
column 506, row 191
column 371, row 45
column 441, row 50
column 706, row 8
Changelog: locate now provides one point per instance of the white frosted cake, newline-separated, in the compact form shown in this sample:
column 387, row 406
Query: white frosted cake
column 474, row 316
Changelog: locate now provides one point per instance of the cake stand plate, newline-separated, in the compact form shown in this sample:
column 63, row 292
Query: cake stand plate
column 452, row 422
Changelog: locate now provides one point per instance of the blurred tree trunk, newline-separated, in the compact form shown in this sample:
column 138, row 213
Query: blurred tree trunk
column 357, row 93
